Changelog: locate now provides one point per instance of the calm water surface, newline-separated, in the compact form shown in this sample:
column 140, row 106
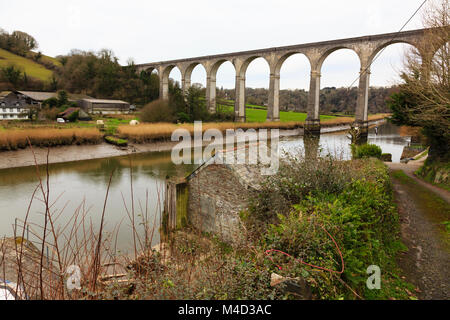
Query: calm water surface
column 82, row 185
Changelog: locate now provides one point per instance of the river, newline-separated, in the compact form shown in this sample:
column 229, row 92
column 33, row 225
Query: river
column 81, row 186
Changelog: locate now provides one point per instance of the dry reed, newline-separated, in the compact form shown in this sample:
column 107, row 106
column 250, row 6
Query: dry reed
column 16, row 139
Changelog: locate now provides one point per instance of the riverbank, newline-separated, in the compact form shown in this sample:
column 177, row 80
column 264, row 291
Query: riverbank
column 29, row 157
column 360, row 227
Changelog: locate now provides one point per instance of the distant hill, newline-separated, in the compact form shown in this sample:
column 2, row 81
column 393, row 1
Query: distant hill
column 30, row 67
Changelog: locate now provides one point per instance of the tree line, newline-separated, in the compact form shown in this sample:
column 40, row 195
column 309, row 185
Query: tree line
column 332, row 99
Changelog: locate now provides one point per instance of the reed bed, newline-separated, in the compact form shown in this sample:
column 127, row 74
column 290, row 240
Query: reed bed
column 162, row 131
column 16, row 139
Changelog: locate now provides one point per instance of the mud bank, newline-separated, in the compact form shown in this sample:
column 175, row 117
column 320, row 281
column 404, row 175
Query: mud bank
column 25, row 157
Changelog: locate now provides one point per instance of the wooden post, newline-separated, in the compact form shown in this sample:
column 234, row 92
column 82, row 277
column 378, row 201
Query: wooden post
column 175, row 204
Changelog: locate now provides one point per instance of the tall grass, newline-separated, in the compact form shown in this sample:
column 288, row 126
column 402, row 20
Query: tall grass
column 16, row 139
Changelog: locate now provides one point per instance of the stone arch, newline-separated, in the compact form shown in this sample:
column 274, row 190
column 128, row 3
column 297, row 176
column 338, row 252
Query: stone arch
column 246, row 62
column 211, row 74
column 186, row 74
column 241, row 66
column 188, row 70
column 275, row 82
column 166, row 70
column 328, row 52
column 384, row 45
column 283, row 58
column 164, row 80
column 313, row 118
column 150, row 69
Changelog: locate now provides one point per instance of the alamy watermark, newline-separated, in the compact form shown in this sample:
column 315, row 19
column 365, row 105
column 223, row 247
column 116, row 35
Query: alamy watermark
column 374, row 281
column 235, row 147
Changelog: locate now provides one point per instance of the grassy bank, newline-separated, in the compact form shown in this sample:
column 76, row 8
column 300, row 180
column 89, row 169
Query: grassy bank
column 436, row 172
column 47, row 137
column 30, row 67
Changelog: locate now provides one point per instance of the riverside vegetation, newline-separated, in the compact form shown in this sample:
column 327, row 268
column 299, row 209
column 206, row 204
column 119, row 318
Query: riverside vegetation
column 352, row 200
column 14, row 134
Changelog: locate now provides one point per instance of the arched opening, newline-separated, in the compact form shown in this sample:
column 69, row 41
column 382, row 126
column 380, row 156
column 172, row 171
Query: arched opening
column 150, row 78
column 385, row 71
column 225, row 85
column 198, row 76
column 174, row 77
column 257, row 77
column 294, row 86
column 339, row 82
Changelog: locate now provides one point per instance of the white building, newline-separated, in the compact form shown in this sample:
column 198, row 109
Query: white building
column 12, row 106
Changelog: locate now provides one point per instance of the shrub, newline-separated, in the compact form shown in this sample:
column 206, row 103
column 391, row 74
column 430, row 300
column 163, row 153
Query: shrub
column 367, row 151
column 357, row 210
column 158, row 111
column 295, row 181
column 436, row 172
column 49, row 113
column 73, row 116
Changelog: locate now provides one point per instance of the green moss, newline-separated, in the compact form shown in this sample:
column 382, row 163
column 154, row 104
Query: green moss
column 116, row 141
column 182, row 205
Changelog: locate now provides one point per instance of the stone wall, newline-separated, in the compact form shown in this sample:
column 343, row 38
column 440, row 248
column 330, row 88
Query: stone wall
column 216, row 197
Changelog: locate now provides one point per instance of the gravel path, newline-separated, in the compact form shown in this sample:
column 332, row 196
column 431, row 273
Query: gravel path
column 427, row 262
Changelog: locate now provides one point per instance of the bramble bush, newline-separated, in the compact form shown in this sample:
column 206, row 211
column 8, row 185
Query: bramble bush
column 353, row 202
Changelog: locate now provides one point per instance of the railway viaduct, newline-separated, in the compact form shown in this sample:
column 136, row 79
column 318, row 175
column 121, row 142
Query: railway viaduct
column 366, row 48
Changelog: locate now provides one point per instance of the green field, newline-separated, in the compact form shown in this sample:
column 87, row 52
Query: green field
column 255, row 115
column 31, row 68
column 45, row 58
column 260, row 115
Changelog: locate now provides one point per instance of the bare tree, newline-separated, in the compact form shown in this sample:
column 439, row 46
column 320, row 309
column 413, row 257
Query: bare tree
column 424, row 97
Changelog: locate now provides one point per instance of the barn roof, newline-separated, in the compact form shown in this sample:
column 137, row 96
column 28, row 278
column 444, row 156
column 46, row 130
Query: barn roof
column 42, row 96
column 38, row 96
column 4, row 93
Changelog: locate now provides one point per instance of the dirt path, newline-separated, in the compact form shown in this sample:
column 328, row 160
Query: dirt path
column 423, row 208
column 412, row 167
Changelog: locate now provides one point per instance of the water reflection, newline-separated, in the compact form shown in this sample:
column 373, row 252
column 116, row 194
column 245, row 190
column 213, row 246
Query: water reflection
column 338, row 144
column 86, row 182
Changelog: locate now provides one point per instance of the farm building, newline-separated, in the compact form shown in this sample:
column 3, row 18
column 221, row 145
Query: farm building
column 37, row 97
column 104, row 106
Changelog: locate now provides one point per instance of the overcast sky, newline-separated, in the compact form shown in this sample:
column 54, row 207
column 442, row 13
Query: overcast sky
column 163, row 30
